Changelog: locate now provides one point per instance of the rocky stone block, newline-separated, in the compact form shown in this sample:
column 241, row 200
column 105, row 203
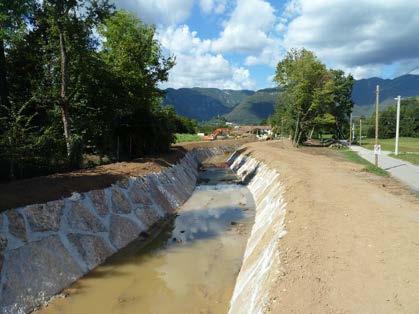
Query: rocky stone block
column 17, row 225
column 148, row 215
column 35, row 272
column 81, row 218
column 3, row 243
column 98, row 198
column 92, row 249
column 139, row 195
column 122, row 231
column 120, row 203
column 160, row 199
column 46, row 217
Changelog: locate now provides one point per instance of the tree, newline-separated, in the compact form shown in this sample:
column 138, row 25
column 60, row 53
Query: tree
column 133, row 55
column 12, row 17
column 312, row 97
column 66, row 17
column 302, row 76
column 341, row 104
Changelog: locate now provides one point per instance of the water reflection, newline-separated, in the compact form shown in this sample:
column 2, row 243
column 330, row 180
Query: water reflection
column 190, row 267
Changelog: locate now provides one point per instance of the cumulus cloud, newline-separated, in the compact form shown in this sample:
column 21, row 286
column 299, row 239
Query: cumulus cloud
column 361, row 37
column 213, row 6
column 247, row 29
column 159, row 12
column 197, row 65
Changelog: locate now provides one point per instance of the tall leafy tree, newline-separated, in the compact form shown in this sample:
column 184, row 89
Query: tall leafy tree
column 313, row 96
column 133, row 54
column 302, row 76
column 12, row 18
column 67, row 20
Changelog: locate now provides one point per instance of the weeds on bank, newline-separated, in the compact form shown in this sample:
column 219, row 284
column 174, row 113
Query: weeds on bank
column 369, row 167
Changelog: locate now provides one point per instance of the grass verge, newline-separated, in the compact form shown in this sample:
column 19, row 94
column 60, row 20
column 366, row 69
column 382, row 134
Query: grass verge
column 369, row 167
column 181, row 138
column 410, row 157
column 406, row 144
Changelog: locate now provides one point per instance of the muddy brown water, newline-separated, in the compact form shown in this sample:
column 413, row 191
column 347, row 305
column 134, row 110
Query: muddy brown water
column 190, row 267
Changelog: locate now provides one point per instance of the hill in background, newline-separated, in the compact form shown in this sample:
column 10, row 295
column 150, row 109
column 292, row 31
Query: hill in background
column 250, row 107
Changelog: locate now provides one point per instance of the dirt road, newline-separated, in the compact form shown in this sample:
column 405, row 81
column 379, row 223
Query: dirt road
column 353, row 238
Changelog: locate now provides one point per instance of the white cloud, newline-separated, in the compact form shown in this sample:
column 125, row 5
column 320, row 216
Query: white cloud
column 247, row 29
column 182, row 40
column 213, row 6
column 270, row 54
column 362, row 37
column 196, row 65
column 159, row 12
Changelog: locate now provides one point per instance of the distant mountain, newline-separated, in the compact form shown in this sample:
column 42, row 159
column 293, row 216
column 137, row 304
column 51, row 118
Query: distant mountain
column 250, row 107
column 204, row 103
column 254, row 108
column 364, row 90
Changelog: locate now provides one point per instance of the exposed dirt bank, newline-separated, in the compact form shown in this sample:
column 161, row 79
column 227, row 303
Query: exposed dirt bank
column 57, row 186
column 353, row 238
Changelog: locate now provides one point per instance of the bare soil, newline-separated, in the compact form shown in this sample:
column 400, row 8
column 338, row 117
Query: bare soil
column 353, row 238
column 48, row 188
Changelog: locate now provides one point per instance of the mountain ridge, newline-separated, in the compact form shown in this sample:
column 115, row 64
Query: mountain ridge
column 250, row 107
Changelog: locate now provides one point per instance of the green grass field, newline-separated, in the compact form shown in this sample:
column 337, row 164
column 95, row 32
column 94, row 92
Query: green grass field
column 181, row 138
column 406, row 144
column 408, row 147
column 355, row 158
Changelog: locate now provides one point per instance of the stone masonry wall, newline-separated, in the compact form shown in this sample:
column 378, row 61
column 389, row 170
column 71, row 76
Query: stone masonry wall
column 251, row 292
column 46, row 247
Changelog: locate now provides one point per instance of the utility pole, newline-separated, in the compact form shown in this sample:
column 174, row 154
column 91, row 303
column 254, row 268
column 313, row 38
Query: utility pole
column 377, row 100
column 360, row 132
column 396, row 150
column 350, row 130
column 353, row 131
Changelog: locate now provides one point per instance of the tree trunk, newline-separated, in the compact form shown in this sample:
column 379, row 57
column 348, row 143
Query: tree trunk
column 297, row 129
column 4, row 91
column 299, row 138
column 63, row 95
column 311, row 133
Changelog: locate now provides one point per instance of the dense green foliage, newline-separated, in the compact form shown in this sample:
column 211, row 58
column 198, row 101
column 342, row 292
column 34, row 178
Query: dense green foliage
column 313, row 97
column 65, row 92
column 409, row 120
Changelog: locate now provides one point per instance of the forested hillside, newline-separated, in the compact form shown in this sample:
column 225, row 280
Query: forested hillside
column 364, row 90
column 252, row 107
column 204, row 103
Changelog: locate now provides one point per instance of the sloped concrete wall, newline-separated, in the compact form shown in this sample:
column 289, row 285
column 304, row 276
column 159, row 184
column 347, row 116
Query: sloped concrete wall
column 251, row 292
column 46, row 247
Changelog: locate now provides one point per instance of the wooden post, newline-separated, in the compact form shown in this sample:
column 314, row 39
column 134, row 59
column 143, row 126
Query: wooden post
column 377, row 100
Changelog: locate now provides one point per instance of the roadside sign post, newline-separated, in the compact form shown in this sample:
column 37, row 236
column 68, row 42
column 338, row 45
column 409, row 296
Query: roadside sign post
column 377, row 100
column 396, row 149
column 377, row 152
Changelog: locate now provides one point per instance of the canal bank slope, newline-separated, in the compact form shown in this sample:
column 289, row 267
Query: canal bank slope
column 352, row 244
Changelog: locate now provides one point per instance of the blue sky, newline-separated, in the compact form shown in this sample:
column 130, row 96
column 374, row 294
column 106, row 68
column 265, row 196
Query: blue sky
column 235, row 44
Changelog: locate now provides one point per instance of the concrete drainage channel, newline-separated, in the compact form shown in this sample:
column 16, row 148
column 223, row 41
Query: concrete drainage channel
column 45, row 248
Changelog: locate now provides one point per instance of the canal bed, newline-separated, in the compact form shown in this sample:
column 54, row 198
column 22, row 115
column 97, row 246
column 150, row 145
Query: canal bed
column 189, row 267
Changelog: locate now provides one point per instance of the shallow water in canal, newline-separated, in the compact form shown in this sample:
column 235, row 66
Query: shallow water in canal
column 190, row 267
